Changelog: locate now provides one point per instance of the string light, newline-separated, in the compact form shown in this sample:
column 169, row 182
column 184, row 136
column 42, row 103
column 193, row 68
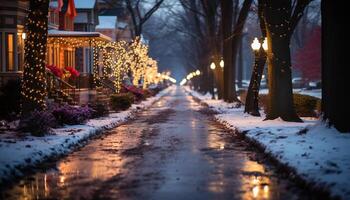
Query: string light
column 34, row 75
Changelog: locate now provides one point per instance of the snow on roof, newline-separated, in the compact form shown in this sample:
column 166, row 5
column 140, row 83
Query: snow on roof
column 85, row 3
column 107, row 22
column 59, row 33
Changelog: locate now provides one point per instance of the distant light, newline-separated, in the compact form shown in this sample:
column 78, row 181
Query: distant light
column 198, row 72
column 256, row 44
column 212, row 66
column 264, row 45
column 222, row 64
column 183, row 82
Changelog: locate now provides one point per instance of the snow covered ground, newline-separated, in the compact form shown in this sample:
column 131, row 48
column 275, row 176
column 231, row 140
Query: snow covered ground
column 19, row 152
column 320, row 156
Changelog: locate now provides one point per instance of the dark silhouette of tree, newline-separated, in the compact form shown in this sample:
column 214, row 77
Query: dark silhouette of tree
column 230, row 72
column 335, row 78
column 33, row 92
column 281, row 18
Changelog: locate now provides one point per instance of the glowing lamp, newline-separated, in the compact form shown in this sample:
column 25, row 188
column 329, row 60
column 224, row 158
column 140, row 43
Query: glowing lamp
column 24, row 36
column 256, row 44
column 222, row 64
column 198, row 72
column 264, row 45
column 212, row 66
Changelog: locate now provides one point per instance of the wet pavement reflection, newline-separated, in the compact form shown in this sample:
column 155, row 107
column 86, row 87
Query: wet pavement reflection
column 173, row 150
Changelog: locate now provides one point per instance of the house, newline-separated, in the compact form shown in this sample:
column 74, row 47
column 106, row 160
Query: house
column 86, row 20
column 12, row 36
column 123, row 29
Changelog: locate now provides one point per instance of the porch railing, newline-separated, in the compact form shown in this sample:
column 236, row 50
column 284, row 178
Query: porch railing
column 57, row 85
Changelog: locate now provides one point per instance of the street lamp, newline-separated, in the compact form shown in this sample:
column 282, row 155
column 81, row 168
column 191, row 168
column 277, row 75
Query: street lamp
column 256, row 44
column 222, row 64
column 212, row 66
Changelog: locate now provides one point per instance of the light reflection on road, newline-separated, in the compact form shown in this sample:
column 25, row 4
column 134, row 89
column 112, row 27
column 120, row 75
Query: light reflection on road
column 170, row 151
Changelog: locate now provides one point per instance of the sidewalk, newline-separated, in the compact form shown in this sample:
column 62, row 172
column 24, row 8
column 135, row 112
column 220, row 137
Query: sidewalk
column 18, row 153
column 320, row 156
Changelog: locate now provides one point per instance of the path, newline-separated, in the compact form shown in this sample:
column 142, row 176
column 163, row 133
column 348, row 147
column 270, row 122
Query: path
column 174, row 150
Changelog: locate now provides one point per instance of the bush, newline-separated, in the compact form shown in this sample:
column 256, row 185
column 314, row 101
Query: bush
column 121, row 101
column 99, row 110
column 305, row 105
column 72, row 115
column 38, row 123
column 10, row 95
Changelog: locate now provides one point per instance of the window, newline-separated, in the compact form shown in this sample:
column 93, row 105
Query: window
column 10, row 59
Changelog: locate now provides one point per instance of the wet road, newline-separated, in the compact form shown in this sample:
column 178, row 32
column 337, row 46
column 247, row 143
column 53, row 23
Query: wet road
column 171, row 151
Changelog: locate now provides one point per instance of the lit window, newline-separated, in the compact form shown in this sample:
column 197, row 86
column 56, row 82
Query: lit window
column 10, row 65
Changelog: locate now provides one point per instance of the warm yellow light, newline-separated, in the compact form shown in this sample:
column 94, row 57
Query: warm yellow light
column 255, row 191
column 264, row 45
column 256, row 44
column 198, row 72
column 189, row 76
column 212, row 66
column 24, row 36
column 222, row 64
column 183, row 82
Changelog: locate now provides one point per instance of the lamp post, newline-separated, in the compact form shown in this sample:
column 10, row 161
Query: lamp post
column 259, row 48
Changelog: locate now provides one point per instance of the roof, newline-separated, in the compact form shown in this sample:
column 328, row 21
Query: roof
column 85, row 4
column 76, row 38
column 107, row 22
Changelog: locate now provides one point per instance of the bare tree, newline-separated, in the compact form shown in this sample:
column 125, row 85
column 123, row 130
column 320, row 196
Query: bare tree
column 137, row 16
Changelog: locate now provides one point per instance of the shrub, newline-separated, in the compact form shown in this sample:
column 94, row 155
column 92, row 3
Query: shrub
column 38, row 123
column 10, row 95
column 121, row 101
column 305, row 105
column 99, row 110
column 72, row 115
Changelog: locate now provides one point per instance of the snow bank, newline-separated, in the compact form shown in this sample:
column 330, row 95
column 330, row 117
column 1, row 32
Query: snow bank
column 320, row 156
column 17, row 153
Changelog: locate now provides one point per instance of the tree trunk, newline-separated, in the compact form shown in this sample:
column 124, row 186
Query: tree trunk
column 252, row 98
column 226, row 25
column 34, row 76
column 236, row 38
column 240, row 64
column 280, row 101
column 335, row 84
